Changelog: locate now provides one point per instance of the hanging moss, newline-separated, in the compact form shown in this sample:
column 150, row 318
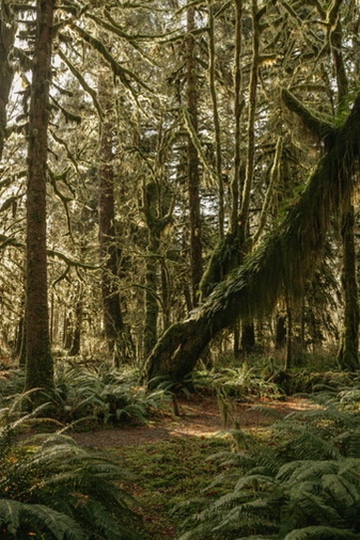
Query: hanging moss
column 227, row 255
column 285, row 258
column 322, row 127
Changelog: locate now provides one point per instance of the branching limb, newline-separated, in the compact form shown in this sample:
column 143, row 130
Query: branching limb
column 322, row 128
column 286, row 258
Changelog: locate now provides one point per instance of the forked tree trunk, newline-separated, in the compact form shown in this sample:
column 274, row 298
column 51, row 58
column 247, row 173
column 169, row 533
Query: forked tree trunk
column 39, row 364
column 285, row 259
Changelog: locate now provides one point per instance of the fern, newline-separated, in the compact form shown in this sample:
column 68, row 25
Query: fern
column 305, row 484
column 107, row 395
column 17, row 518
column 322, row 533
column 52, row 487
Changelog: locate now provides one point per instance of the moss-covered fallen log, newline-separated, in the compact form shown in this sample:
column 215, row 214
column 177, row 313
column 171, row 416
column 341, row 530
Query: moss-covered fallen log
column 285, row 258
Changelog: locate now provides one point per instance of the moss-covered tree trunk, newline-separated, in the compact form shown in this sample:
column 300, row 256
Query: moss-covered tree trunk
column 39, row 364
column 348, row 356
column 154, row 276
column 285, row 259
column 7, row 38
column 150, row 199
column 109, row 252
column 196, row 265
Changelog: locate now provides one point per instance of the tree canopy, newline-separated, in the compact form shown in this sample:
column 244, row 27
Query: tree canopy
column 199, row 166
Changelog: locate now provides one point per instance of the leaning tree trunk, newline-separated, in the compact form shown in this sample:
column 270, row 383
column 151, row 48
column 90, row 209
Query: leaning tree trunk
column 39, row 364
column 284, row 260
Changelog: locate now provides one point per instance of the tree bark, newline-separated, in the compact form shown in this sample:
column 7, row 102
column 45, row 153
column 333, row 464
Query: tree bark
column 7, row 38
column 151, row 275
column 285, row 259
column 196, row 265
column 39, row 364
column 348, row 356
column 216, row 117
column 113, row 319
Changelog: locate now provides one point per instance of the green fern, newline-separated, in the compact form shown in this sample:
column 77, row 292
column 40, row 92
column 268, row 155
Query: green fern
column 305, row 484
column 322, row 533
column 103, row 394
column 52, row 487
column 18, row 519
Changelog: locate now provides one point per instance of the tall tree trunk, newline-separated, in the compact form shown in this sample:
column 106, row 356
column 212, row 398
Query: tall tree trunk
column 216, row 116
column 284, row 261
column 113, row 318
column 348, row 356
column 156, row 223
column 238, row 106
column 248, row 332
column 7, row 38
column 73, row 323
column 39, row 364
column 196, row 265
column 150, row 201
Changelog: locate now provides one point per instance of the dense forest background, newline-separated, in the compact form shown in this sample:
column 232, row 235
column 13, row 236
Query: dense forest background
column 177, row 181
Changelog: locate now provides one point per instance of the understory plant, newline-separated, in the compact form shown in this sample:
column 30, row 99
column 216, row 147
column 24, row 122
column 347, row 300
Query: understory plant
column 243, row 383
column 102, row 394
column 51, row 488
column 302, row 483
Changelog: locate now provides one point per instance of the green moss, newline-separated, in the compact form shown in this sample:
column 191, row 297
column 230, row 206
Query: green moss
column 169, row 478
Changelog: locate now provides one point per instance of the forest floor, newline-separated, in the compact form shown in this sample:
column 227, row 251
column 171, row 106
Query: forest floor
column 199, row 417
column 169, row 459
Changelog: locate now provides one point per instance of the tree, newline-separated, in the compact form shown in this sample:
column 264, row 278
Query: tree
column 39, row 363
column 285, row 259
column 193, row 170
column 348, row 356
column 7, row 38
column 205, row 80
column 109, row 249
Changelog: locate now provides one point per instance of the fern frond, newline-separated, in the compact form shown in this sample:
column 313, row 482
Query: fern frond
column 15, row 515
column 300, row 471
column 256, row 481
column 322, row 533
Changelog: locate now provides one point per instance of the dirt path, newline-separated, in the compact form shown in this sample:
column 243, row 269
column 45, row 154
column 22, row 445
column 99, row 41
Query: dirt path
column 199, row 417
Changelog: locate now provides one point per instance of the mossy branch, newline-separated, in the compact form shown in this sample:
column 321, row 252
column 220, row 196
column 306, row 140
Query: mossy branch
column 318, row 126
column 72, row 262
column 125, row 75
column 196, row 142
column 83, row 83
column 287, row 257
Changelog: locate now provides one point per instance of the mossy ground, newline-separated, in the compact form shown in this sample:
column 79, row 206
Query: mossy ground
column 169, row 477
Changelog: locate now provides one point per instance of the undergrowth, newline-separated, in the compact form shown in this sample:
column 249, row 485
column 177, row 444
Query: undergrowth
column 51, row 488
column 169, row 479
column 301, row 483
column 103, row 394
